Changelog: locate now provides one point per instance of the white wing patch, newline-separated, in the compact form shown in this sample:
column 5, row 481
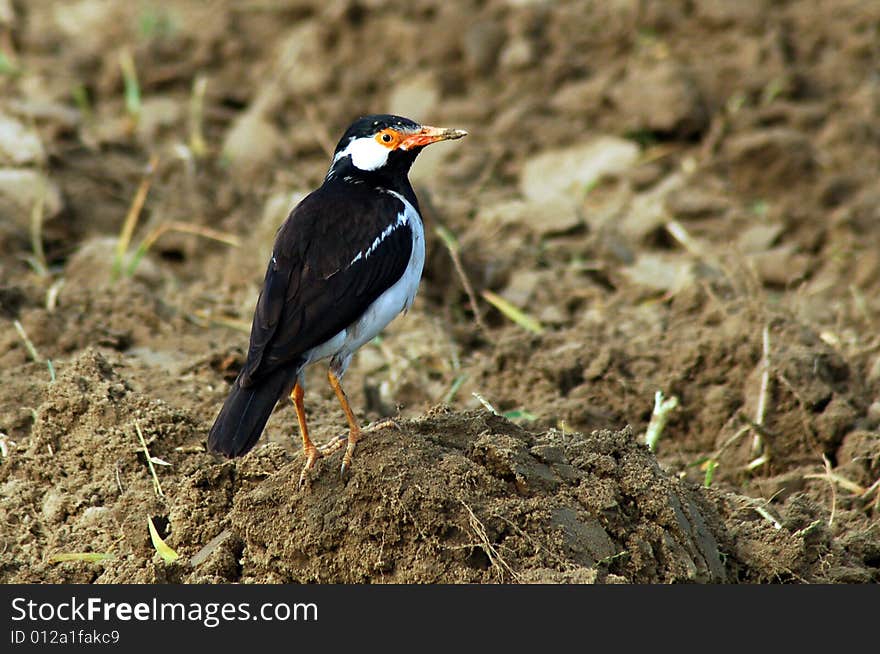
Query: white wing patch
column 402, row 219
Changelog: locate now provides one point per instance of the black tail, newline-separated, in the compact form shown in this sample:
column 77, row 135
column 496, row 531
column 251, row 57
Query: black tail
column 245, row 412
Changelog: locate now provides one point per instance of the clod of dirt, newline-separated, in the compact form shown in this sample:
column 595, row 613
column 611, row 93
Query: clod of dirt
column 19, row 145
column 567, row 173
column 772, row 158
column 661, row 97
column 472, row 498
column 20, row 189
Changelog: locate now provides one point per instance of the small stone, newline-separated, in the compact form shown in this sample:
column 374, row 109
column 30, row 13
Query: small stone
column 646, row 175
column 689, row 203
column 874, row 413
column 874, row 371
column 835, row 420
column 770, row 159
column 660, row 273
column 91, row 265
column 157, row 113
column 481, row 43
column 567, row 173
column 647, row 210
column 95, row 515
column 521, row 288
column 661, row 97
column 760, row 237
column 780, row 266
column 54, row 507
column 301, row 62
column 19, row 145
column 415, row 97
column 91, row 24
column 552, row 315
column 517, row 54
column 20, row 188
column 546, row 218
column 252, row 141
column 577, row 97
column 370, row 359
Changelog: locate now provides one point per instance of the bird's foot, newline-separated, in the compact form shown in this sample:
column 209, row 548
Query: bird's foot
column 312, row 455
column 334, row 444
column 384, row 423
column 350, row 440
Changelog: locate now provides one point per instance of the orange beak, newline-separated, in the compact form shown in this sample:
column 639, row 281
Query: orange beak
column 427, row 135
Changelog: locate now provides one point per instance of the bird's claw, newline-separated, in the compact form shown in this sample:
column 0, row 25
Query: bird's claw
column 348, row 442
column 346, row 459
column 312, row 455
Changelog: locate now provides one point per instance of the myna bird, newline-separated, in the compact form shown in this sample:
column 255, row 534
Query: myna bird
column 346, row 261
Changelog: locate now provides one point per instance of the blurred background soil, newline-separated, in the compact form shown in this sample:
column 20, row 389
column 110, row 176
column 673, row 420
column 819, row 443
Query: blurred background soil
column 678, row 196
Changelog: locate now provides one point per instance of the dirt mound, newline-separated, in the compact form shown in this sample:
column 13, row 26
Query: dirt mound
column 449, row 497
column 471, row 497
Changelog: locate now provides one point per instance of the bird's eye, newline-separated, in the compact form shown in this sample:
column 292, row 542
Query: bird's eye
column 388, row 137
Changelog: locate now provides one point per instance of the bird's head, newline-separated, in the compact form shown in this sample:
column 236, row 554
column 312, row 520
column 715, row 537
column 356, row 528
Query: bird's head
column 386, row 143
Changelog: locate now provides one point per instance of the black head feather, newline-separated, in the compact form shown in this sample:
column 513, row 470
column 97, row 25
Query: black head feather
column 373, row 124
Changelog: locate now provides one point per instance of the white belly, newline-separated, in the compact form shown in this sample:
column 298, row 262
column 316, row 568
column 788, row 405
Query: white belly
column 384, row 309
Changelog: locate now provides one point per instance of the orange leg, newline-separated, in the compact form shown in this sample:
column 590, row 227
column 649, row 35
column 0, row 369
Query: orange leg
column 354, row 432
column 311, row 452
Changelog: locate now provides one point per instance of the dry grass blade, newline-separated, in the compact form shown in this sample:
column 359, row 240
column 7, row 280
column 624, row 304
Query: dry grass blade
column 4, row 447
column 683, row 236
column 134, row 212
column 495, row 558
column 37, row 216
column 757, row 444
column 511, row 312
column 185, row 228
column 202, row 555
column 486, row 404
column 168, row 555
column 451, row 244
column 28, row 345
column 843, row 482
column 91, row 557
column 659, row 418
column 52, row 294
column 764, row 513
column 196, row 117
column 32, row 350
column 156, row 483
column 132, row 87
column 203, row 319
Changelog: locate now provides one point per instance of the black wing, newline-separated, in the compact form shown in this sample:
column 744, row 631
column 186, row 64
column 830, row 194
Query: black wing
column 320, row 278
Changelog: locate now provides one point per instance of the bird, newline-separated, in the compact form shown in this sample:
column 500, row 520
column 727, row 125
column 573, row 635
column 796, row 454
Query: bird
column 346, row 261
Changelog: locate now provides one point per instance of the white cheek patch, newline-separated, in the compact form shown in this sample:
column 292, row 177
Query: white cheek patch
column 366, row 153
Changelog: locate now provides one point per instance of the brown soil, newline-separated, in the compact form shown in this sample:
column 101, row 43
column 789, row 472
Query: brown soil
column 750, row 210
